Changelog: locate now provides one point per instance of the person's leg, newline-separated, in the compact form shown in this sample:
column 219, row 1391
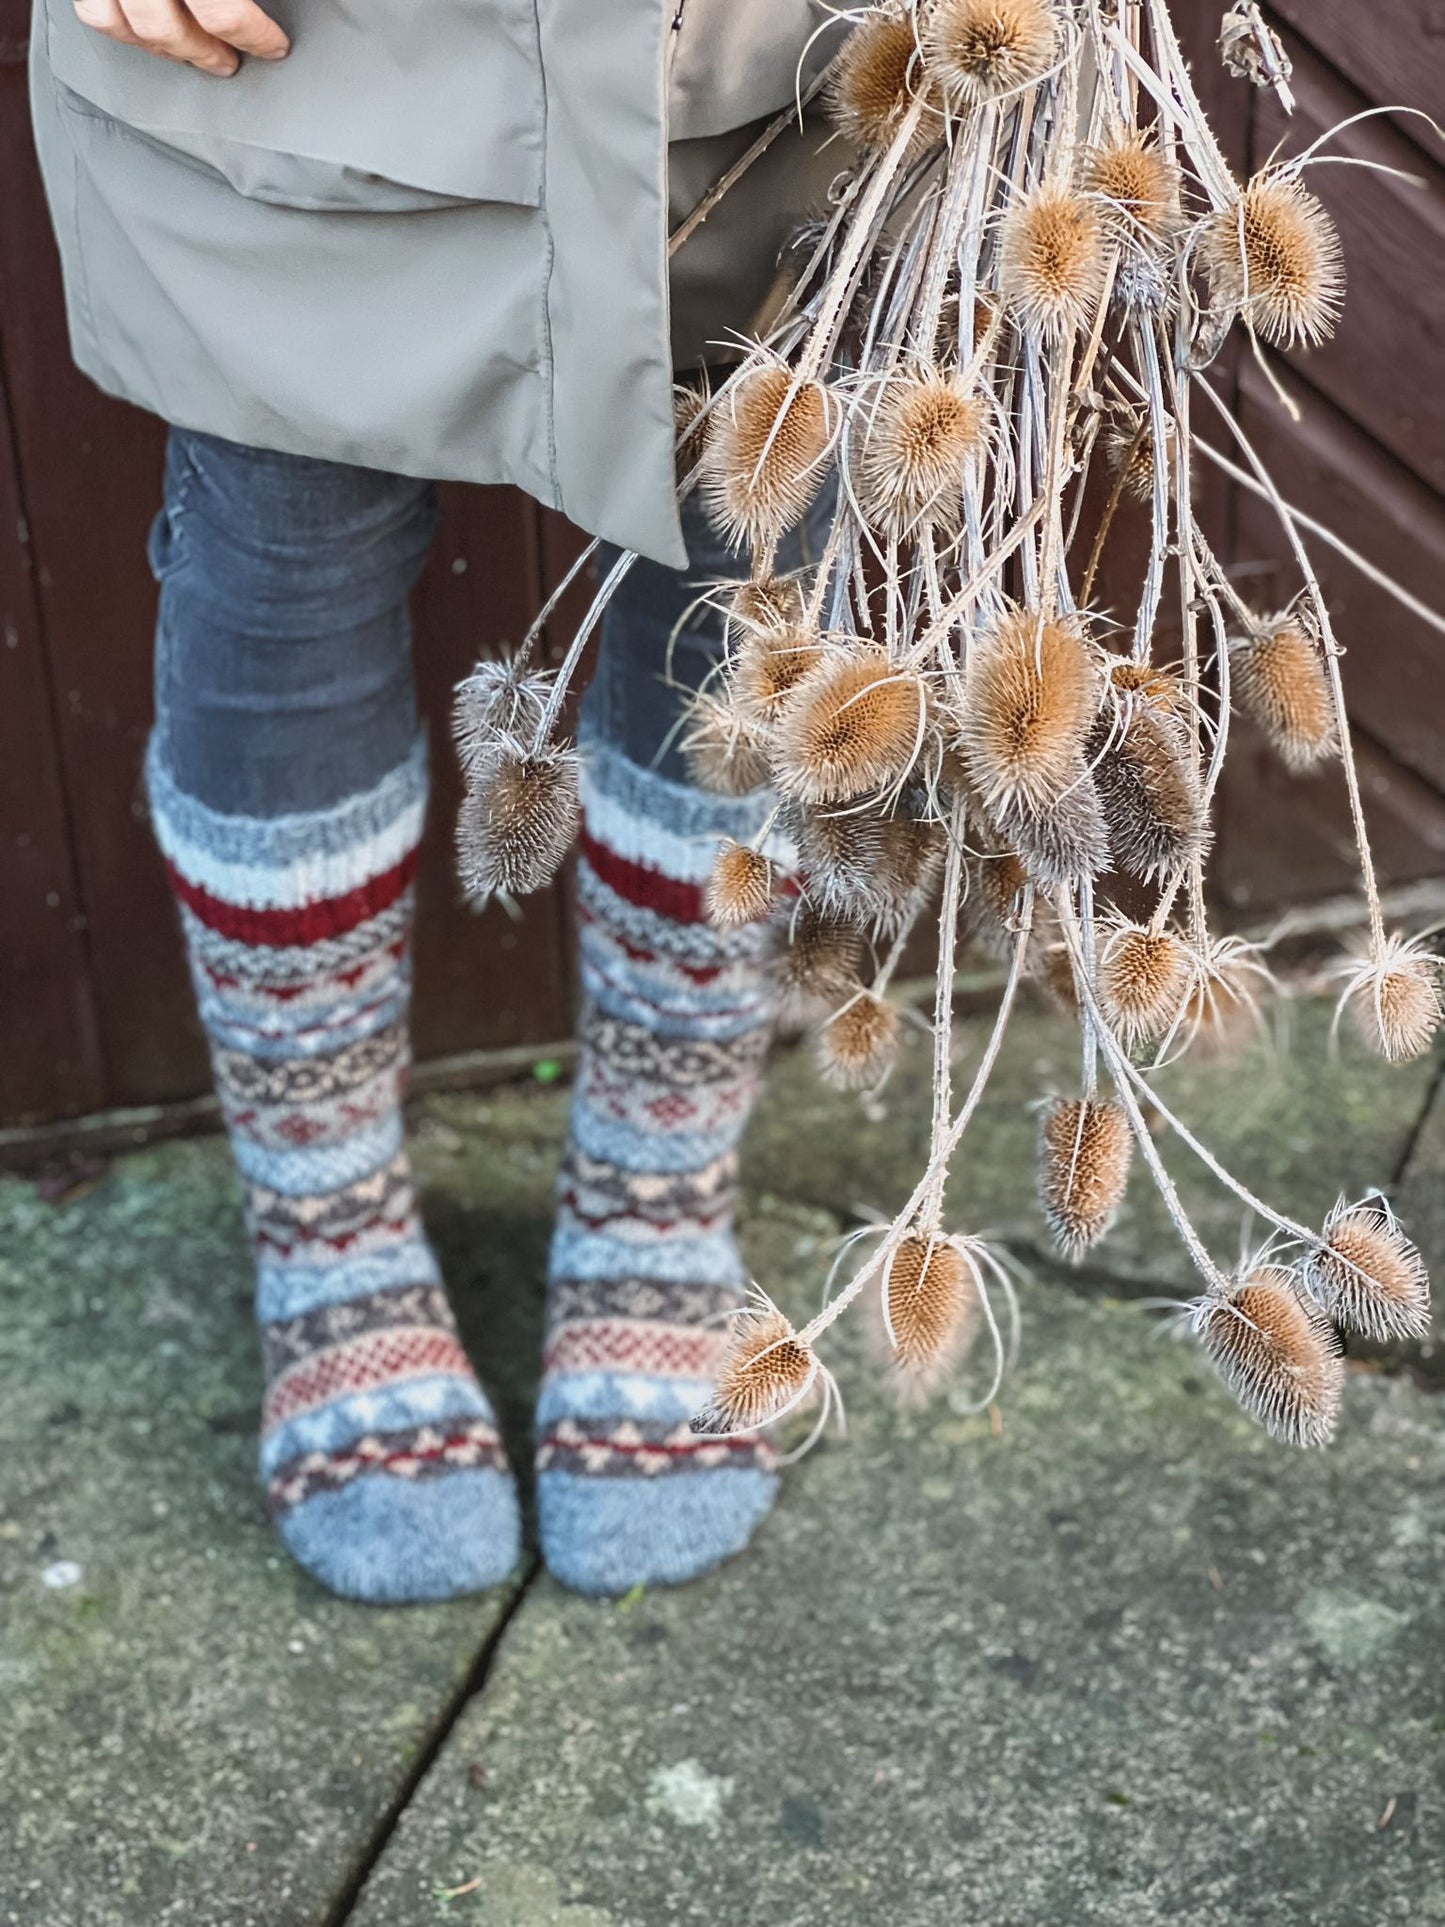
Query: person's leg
column 287, row 782
column 676, row 1024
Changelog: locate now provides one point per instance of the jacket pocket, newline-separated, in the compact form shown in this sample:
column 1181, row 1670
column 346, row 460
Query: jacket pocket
column 380, row 104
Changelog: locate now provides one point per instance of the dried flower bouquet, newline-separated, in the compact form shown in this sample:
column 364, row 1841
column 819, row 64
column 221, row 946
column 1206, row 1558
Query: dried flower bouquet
column 1023, row 281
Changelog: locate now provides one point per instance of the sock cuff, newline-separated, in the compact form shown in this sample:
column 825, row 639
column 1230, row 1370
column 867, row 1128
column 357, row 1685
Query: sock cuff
column 286, row 863
column 672, row 828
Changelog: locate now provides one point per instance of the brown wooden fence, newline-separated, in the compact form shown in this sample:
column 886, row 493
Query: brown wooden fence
column 94, row 1010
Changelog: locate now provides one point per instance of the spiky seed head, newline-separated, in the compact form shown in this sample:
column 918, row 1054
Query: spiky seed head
column 1129, row 452
column 1060, row 843
column 817, row 958
column 1277, row 1352
column 875, row 80
column 1085, row 1148
column 766, row 602
column 1030, row 698
column 1055, row 968
column 978, row 50
column 723, row 753
column 688, row 402
column 1052, row 261
column 839, row 855
column 1141, row 681
column 496, row 704
column 1274, row 257
column 1149, row 786
column 1279, row 679
column 766, row 1369
column 740, row 888
column 1223, row 1013
column 1144, row 978
column 1139, row 190
column 1394, row 998
column 919, row 438
column 852, row 726
column 518, row 822
column 767, row 443
column 932, row 1304
column 858, row 1043
column 1368, row 1276
column 768, row 665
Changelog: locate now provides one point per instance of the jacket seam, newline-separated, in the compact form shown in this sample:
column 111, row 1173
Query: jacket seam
column 549, row 359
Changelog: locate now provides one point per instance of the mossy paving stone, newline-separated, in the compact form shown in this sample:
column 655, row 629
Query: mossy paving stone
column 191, row 1731
column 1126, row 1661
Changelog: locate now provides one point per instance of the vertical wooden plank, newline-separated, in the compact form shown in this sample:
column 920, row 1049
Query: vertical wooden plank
column 482, row 980
column 51, row 1055
column 90, row 469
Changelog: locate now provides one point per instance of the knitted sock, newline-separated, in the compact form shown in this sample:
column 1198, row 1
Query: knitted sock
column 644, row 1268
column 381, row 1461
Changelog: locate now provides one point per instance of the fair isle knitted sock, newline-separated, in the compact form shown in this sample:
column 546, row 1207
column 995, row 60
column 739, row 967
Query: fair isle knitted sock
column 380, row 1457
column 644, row 1268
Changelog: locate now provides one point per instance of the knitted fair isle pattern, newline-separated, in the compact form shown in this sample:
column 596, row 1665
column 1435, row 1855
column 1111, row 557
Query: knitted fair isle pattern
column 381, row 1461
column 644, row 1268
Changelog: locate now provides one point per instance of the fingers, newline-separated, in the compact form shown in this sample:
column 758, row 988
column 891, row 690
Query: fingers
column 165, row 27
column 210, row 34
column 242, row 24
column 105, row 16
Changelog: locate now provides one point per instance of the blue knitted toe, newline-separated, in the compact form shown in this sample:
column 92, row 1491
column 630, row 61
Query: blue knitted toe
column 605, row 1536
column 388, row 1541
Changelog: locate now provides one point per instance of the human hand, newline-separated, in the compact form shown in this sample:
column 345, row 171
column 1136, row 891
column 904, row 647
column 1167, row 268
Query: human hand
column 209, row 34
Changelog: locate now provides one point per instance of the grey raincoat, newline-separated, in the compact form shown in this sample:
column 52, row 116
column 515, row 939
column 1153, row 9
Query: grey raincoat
column 433, row 238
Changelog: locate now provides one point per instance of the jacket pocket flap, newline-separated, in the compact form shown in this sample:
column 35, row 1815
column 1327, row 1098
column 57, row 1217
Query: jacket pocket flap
column 447, row 99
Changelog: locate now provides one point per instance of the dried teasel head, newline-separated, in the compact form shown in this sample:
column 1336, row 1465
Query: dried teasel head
column 1277, row 1352
column 1149, row 786
column 767, row 445
column 1138, row 188
column 497, row 703
column 1129, row 452
column 817, row 958
column 1144, row 979
column 995, row 883
column 767, row 666
column 1085, row 1148
column 920, row 436
column 979, row 50
column 724, row 754
column 518, row 822
column 1030, row 698
column 766, row 1370
column 1367, row 1274
column 689, row 399
column 1224, row 1010
column 1052, row 261
column 1393, row 995
column 1273, row 256
column 1061, row 843
column 931, row 1306
column 859, row 1042
column 852, row 727
column 1278, row 678
column 876, row 78
column 740, row 886
column 1055, row 971
column 766, row 602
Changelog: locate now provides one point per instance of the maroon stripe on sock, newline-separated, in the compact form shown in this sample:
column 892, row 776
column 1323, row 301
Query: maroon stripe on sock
column 647, row 889
column 309, row 922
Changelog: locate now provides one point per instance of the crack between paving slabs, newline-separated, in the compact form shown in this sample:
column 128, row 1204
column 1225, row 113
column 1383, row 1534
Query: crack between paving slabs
column 477, row 1675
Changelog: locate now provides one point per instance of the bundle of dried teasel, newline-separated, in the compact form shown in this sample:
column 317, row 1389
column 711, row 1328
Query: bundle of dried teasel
column 1024, row 278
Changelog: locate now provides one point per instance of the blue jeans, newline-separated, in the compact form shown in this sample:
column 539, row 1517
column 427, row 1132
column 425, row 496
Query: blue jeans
column 283, row 647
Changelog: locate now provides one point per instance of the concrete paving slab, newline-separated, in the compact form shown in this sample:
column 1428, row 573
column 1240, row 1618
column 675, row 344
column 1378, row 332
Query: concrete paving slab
column 191, row 1731
column 1122, row 1661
